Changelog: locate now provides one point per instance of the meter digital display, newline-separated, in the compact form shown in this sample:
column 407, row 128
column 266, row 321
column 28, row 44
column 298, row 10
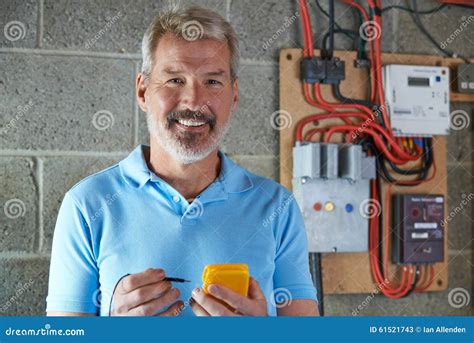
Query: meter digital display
column 419, row 81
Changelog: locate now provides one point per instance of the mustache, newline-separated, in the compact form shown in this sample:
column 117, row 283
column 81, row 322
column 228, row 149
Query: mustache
column 209, row 118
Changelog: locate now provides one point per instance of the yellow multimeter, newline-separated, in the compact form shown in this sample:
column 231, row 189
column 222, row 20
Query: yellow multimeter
column 231, row 275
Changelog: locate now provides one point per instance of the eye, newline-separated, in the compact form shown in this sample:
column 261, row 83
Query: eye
column 213, row 82
column 175, row 81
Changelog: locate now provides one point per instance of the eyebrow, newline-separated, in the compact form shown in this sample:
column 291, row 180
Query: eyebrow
column 218, row 72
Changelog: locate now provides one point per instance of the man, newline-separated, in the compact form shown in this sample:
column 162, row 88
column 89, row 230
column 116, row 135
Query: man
column 170, row 209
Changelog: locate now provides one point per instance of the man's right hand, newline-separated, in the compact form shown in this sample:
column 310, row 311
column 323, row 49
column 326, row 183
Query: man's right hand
column 146, row 294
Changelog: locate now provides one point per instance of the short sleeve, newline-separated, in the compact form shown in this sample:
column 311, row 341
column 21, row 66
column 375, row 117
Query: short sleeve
column 292, row 277
column 73, row 276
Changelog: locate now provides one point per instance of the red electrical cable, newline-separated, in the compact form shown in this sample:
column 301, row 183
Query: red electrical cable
column 309, row 135
column 364, row 14
column 333, row 106
column 430, row 280
column 383, row 282
column 393, row 150
column 378, row 141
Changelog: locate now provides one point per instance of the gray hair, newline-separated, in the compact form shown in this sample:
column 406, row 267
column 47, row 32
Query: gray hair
column 191, row 24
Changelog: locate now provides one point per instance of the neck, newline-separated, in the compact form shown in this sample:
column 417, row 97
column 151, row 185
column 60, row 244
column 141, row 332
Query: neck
column 188, row 179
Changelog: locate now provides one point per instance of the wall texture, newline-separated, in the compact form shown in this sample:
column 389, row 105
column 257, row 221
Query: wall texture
column 67, row 109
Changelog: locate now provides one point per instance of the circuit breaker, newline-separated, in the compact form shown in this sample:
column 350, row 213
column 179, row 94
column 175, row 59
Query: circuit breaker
column 331, row 186
column 418, row 228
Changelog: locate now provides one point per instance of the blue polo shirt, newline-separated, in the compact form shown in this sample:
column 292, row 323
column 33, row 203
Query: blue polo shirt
column 126, row 219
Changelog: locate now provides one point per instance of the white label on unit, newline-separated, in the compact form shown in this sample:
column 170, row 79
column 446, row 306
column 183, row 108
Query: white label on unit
column 426, row 225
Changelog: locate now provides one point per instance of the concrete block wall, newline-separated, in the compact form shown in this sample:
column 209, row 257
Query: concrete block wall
column 67, row 109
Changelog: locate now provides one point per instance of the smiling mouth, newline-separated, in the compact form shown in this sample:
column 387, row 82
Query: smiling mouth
column 191, row 125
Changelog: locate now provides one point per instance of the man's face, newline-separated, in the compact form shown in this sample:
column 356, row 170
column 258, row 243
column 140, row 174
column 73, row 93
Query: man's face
column 189, row 97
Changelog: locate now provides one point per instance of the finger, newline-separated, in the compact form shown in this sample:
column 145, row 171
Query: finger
column 198, row 309
column 255, row 291
column 143, row 294
column 235, row 300
column 174, row 310
column 152, row 307
column 144, row 278
column 210, row 305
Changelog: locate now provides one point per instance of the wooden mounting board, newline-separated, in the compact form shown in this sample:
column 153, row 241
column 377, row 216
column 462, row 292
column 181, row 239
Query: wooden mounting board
column 350, row 272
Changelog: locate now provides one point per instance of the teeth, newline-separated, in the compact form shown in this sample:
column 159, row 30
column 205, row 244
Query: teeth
column 191, row 122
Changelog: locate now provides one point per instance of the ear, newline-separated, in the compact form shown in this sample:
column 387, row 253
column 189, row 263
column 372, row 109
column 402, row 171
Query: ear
column 235, row 100
column 140, row 90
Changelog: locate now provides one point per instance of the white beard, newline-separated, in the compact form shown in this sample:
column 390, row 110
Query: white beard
column 173, row 146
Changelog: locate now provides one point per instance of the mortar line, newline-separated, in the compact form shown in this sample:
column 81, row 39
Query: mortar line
column 61, row 153
column 459, row 252
column 135, row 121
column 252, row 62
column 39, row 33
column 77, row 53
column 39, row 216
column 22, row 254
column 227, row 10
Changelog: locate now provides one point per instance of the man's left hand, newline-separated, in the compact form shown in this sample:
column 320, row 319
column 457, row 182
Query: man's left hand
column 237, row 305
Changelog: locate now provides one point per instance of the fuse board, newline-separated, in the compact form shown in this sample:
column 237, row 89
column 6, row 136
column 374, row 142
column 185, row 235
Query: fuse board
column 348, row 272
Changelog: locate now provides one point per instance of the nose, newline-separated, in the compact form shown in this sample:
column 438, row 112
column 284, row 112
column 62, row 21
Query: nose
column 193, row 96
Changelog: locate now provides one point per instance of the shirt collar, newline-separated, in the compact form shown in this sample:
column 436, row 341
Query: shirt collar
column 232, row 178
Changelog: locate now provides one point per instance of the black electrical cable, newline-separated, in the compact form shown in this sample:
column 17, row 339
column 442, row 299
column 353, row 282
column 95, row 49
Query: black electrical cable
column 336, row 25
column 430, row 11
column 407, row 9
column 423, row 172
column 355, row 36
column 316, row 273
column 380, row 228
column 427, row 159
column 388, row 178
column 340, row 97
column 415, row 281
column 369, row 146
column 330, row 50
column 421, row 27
column 346, row 32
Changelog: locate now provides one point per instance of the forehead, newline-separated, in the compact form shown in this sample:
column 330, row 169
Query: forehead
column 200, row 54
